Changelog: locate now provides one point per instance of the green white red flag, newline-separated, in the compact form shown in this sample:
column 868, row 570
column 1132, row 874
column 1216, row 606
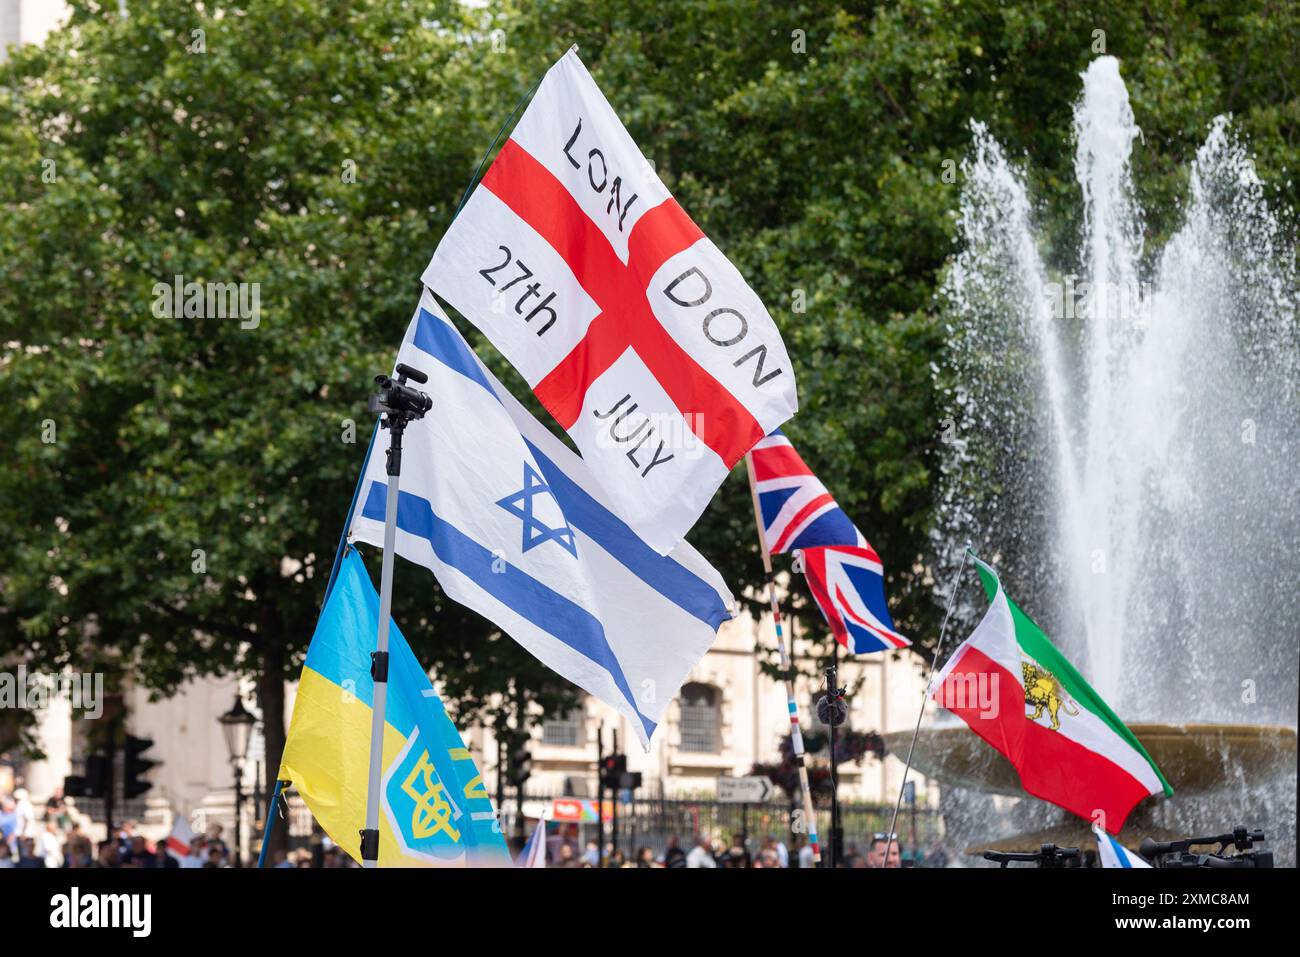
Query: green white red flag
column 1017, row 692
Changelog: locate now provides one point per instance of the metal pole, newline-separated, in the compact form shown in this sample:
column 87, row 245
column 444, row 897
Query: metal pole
column 239, row 816
column 925, row 697
column 832, row 701
column 787, row 669
column 613, row 812
column 600, row 795
column 271, row 808
column 379, row 660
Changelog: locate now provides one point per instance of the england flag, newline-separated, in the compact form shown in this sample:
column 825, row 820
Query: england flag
column 633, row 329
column 844, row 573
column 514, row 526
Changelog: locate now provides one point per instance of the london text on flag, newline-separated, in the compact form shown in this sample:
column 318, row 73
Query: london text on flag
column 514, row 526
column 633, row 329
column 1017, row 692
column 434, row 810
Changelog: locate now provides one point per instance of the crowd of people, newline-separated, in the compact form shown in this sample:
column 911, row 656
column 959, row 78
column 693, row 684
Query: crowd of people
column 57, row 836
column 562, row 850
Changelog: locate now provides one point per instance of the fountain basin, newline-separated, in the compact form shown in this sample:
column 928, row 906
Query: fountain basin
column 1195, row 758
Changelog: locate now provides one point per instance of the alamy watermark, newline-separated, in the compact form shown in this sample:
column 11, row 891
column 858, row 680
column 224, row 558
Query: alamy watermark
column 179, row 299
column 968, row 691
column 34, row 690
column 1119, row 301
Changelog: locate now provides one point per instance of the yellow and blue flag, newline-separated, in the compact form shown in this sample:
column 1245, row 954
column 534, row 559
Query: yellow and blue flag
column 434, row 810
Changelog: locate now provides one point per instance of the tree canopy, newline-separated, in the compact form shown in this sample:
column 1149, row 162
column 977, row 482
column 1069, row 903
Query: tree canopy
column 174, row 488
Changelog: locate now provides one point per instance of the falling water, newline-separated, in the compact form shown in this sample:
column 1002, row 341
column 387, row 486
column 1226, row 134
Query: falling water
column 1124, row 443
column 1125, row 426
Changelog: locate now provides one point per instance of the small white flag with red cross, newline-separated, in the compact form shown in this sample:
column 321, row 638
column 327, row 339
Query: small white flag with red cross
column 633, row 329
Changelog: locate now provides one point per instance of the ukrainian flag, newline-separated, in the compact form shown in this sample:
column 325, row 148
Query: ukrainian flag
column 434, row 810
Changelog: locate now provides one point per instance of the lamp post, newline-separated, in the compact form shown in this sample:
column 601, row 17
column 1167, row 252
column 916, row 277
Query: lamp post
column 237, row 727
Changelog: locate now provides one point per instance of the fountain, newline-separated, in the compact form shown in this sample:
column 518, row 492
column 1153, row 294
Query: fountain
column 1124, row 450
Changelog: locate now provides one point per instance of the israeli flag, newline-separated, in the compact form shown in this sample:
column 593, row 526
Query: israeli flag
column 513, row 525
column 1114, row 854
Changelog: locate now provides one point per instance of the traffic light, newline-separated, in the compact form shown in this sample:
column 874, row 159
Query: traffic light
column 93, row 783
column 134, row 765
column 612, row 769
column 520, row 767
column 629, row 780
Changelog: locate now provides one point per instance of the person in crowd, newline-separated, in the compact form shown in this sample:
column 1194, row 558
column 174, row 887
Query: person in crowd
column 6, row 859
column 876, row 852
column 50, row 844
column 674, row 856
column 109, row 855
column 701, row 854
column 646, row 858
column 26, row 814
column 736, row 854
column 771, row 843
column 27, row 856
column 805, row 851
column 566, row 835
column 591, row 856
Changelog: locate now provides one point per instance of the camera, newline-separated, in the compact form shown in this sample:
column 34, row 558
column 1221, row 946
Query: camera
column 395, row 397
column 1179, row 854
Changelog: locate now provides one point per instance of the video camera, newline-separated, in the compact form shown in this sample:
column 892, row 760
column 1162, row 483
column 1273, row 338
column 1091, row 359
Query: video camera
column 1048, row 855
column 396, row 398
column 1175, row 854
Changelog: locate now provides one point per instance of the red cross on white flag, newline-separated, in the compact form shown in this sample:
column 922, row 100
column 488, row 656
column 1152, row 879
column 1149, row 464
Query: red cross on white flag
column 629, row 324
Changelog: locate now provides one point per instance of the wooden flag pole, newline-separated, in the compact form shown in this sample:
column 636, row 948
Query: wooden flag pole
column 787, row 669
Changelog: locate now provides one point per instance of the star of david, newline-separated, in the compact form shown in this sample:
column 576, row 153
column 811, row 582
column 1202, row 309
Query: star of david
column 536, row 532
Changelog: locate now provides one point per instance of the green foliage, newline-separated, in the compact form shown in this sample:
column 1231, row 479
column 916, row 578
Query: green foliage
column 819, row 170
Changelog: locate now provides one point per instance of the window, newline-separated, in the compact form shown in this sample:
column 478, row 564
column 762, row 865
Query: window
column 568, row 731
column 701, row 719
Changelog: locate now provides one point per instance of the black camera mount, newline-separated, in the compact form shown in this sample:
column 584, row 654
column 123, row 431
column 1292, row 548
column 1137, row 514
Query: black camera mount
column 399, row 404
column 1179, row 854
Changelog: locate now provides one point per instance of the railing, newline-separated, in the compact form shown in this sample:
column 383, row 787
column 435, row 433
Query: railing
column 651, row 822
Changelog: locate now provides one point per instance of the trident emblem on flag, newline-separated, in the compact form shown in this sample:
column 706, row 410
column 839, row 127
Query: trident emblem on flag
column 432, row 813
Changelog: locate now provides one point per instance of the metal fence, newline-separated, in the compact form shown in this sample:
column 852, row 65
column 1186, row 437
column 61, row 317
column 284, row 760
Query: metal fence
column 652, row 822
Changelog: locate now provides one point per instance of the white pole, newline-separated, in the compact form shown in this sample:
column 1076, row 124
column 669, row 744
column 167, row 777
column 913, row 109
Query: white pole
column 380, row 700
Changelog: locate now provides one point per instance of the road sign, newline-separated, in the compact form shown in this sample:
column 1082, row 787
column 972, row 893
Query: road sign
column 753, row 790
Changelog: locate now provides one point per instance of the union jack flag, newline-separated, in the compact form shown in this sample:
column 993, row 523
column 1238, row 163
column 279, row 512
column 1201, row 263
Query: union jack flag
column 843, row 571
column 797, row 510
column 848, row 583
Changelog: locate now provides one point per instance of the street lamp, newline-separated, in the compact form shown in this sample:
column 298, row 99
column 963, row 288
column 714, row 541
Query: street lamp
column 237, row 727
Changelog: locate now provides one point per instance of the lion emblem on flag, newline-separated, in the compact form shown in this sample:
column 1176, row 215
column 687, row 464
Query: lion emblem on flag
column 1043, row 691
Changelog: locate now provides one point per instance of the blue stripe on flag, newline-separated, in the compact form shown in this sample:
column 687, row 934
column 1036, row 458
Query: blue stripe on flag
column 546, row 608
column 436, row 337
column 678, row 584
column 1120, row 852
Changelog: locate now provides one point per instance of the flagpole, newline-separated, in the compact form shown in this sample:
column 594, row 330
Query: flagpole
column 787, row 669
column 271, row 808
column 925, row 698
column 400, row 404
